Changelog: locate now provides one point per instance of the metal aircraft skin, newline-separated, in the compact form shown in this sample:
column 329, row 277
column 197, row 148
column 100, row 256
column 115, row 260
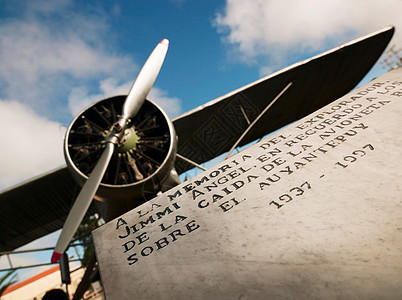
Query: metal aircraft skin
column 145, row 150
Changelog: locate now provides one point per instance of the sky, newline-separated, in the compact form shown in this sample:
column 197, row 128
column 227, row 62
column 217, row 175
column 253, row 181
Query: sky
column 57, row 57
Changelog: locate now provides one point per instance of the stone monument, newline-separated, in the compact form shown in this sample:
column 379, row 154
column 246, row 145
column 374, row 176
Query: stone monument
column 313, row 211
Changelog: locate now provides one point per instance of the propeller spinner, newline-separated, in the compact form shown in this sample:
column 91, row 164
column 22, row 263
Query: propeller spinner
column 131, row 106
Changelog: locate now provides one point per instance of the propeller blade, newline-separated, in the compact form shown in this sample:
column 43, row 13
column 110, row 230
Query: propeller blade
column 145, row 80
column 82, row 203
column 136, row 97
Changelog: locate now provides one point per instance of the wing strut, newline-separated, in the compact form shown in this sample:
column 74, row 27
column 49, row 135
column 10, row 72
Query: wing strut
column 245, row 115
column 256, row 119
column 190, row 162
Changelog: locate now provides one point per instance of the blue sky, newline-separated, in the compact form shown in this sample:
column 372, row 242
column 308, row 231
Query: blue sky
column 56, row 57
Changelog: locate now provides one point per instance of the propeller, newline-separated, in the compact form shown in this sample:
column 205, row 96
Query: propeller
column 136, row 97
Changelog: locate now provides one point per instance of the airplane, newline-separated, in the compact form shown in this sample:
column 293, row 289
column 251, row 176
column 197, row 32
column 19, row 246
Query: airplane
column 124, row 150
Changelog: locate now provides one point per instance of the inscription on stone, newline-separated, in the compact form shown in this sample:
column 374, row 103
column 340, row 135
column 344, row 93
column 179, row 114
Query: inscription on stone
column 312, row 211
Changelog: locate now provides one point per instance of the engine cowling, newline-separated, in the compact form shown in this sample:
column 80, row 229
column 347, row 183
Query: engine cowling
column 142, row 162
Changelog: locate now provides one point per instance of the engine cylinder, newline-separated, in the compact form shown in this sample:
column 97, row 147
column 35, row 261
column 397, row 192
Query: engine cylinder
column 142, row 161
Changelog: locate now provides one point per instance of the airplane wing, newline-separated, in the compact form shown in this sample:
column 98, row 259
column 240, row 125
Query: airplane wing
column 211, row 129
column 40, row 206
column 35, row 208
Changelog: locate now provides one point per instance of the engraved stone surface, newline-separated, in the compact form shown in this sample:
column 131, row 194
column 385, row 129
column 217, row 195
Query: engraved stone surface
column 314, row 211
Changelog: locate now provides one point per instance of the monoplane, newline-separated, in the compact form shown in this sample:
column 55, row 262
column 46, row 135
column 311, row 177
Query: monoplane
column 124, row 150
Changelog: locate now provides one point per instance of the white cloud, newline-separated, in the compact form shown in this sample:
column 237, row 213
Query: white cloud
column 30, row 144
column 80, row 98
column 266, row 70
column 40, row 64
column 46, row 7
column 281, row 28
column 55, row 60
column 171, row 105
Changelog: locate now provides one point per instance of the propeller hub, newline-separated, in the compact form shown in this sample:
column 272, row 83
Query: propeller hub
column 129, row 140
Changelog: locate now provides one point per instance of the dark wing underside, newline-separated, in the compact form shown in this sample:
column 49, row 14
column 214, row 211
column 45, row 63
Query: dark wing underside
column 213, row 128
column 40, row 206
column 35, row 208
